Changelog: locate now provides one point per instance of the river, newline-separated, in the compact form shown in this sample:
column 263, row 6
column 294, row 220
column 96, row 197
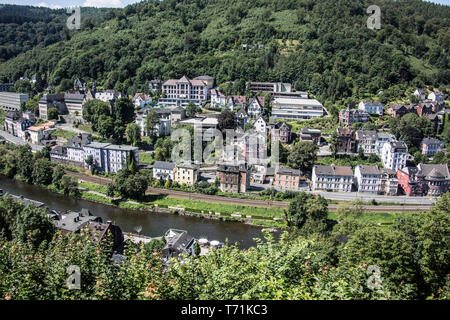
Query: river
column 153, row 224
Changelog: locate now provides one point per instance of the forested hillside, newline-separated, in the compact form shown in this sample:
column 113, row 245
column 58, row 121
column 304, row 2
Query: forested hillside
column 24, row 27
column 320, row 46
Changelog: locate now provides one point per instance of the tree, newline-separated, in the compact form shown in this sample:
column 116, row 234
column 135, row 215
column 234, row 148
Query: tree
column 32, row 224
column 124, row 111
column 151, row 121
column 25, row 163
column 133, row 133
column 105, row 126
column 58, row 173
column 69, row 186
column 52, row 113
column 42, row 172
column 191, row 109
column 334, row 142
column 305, row 207
column 226, row 120
column 90, row 162
column 303, row 156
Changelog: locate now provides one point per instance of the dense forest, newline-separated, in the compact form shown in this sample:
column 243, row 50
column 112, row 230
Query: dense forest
column 24, row 27
column 320, row 46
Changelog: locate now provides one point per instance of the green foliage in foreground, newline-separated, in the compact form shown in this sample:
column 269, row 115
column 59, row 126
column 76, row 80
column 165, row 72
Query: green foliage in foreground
column 413, row 257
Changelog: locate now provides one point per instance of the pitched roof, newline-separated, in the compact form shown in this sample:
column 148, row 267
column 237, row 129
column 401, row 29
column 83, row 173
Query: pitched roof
column 367, row 169
column 164, row 165
column 434, row 170
column 333, row 170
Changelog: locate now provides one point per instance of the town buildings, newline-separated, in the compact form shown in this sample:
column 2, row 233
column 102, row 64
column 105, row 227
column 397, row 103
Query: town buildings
column 431, row 146
column 17, row 123
column 235, row 179
column 420, row 94
column 368, row 178
column 348, row 116
column 178, row 242
column 394, row 155
column 260, row 125
column 346, row 141
column 218, row 99
column 179, row 92
column 426, row 179
column 295, row 108
column 41, row 132
column 371, row 107
column 11, row 101
column 163, row 170
column 185, row 173
column 68, row 103
column 270, row 87
column 367, row 141
column 109, row 157
column 256, row 107
column 332, row 178
column 436, row 96
column 141, row 100
column 242, row 117
column 107, row 95
column 281, row 131
column 389, row 182
column 289, row 179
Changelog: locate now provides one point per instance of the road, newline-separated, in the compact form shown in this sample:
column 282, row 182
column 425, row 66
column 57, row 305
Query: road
column 245, row 202
column 18, row 141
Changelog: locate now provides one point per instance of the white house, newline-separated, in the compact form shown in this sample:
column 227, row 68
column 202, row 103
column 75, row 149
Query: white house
column 256, row 107
column 163, row 170
column 218, row 99
column 368, row 178
column 367, row 141
column 260, row 125
column 394, row 155
column 141, row 100
column 75, row 146
column 371, row 107
column 420, row 93
column 382, row 138
column 332, row 178
column 108, row 95
column 436, row 96
column 108, row 157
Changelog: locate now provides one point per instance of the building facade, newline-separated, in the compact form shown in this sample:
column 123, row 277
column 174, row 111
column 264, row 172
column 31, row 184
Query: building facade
column 368, row 179
column 332, row 178
column 182, row 91
column 394, row 155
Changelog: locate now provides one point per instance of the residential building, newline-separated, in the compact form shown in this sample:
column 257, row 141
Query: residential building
column 436, row 97
column 281, row 131
column 348, row 116
column 235, row 179
column 16, row 123
column 371, row 107
column 399, row 110
column 141, row 100
column 109, row 157
column 182, row 91
column 242, row 117
column 346, row 143
column 236, row 102
column 74, row 148
column 421, row 94
column 74, row 103
column 11, row 101
column 48, row 101
column 218, row 99
column 367, row 141
column 155, row 85
column 394, row 155
column 207, row 125
column 163, row 170
column 436, row 177
column 185, row 173
column 382, row 138
column 431, row 146
column 296, row 108
column 368, row 178
column 107, row 95
column 311, row 135
column 332, row 178
column 41, row 132
column 178, row 242
column 388, row 182
column 79, row 84
column 289, row 179
column 206, row 79
column 162, row 128
column 256, row 107
column 260, row 125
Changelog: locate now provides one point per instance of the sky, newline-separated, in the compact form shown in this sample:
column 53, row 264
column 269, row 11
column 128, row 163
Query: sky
column 55, row 4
